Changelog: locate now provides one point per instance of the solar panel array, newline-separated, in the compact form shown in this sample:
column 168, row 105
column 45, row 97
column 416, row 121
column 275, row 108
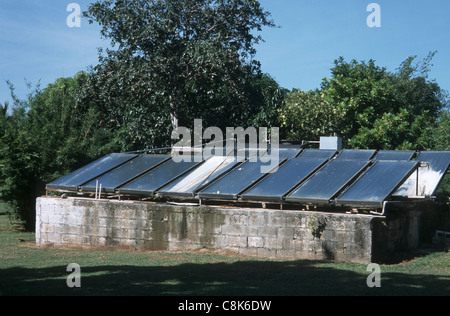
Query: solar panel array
column 348, row 178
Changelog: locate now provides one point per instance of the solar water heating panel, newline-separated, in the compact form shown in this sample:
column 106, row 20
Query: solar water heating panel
column 394, row 155
column 85, row 174
column 199, row 177
column 126, row 172
column 158, row 177
column 364, row 154
column 318, row 153
column 378, row 183
column 289, row 153
column 430, row 176
column 328, row 181
column 276, row 185
column 236, row 181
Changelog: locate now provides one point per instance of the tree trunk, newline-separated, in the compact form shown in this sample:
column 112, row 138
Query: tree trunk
column 174, row 111
column 174, row 119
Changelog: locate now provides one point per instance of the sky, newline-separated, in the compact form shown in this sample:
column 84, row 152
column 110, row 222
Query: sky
column 37, row 45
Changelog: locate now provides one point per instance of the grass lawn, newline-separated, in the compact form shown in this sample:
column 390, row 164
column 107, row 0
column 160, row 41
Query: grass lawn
column 28, row 270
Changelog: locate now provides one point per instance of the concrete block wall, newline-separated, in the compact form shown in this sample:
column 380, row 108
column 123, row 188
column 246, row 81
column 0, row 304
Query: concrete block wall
column 88, row 223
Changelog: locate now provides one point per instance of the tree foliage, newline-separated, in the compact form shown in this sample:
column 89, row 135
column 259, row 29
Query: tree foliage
column 46, row 136
column 308, row 115
column 371, row 107
column 169, row 56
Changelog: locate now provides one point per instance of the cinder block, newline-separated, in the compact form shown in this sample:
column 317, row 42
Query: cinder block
column 221, row 241
column 255, row 242
column 249, row 252
column 285, row 254
column 274, row 243
column 237, row 241
column 264, row 231
column 285, row 232
column 277, row 220
column 266, row 253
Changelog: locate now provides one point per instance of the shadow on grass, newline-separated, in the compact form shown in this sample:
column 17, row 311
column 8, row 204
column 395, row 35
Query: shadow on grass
column 249, row 278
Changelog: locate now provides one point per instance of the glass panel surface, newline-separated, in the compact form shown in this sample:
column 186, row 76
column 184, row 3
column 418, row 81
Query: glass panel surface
column 236, row 181
column 288, row 153
column 87, row 173
column 394, row 155
column 378, row 183
column 126, row 172
column 276, row 185
column 429, row 176
column 328, row 181
column 252, row 152
column 158, row 177
column 356, row 154
column 199, row 177
column 318, row 153
column 217, row 151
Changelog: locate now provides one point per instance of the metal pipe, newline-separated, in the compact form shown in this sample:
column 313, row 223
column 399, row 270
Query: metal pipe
column 385, row 203
column 383, row 210
column 417, row 182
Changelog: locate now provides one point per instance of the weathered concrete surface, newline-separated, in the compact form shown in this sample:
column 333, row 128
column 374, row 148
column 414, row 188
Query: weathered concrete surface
column 77, row 222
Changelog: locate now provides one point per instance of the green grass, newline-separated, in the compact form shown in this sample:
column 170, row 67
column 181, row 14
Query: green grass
column 28, row 270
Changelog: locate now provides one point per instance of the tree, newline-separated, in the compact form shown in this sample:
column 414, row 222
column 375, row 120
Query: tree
column 18, row 161
column 360, row 91
column 267, row 98
column 307, row 116
column 46, row 136
column 4, row 110
column 166, row 51
column 370, row 107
